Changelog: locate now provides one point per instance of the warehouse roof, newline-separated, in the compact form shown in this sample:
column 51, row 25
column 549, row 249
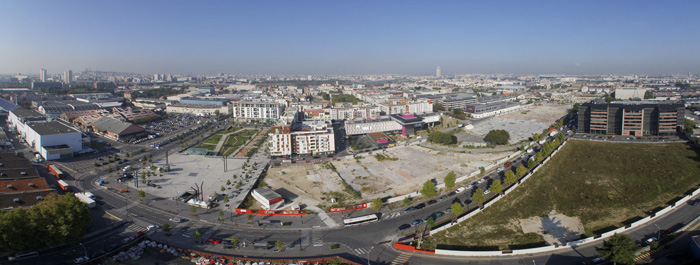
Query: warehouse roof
column 51, row 128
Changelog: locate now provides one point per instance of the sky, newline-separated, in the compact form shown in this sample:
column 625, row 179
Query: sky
column 351, row 37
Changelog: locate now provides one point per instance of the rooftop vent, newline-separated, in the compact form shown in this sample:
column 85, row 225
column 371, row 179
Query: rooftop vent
column 16, row 200
column 9, row 186
column 3, row 174
column 23, row 173
column 39, row 198
column 31, row 184
column 1, row 165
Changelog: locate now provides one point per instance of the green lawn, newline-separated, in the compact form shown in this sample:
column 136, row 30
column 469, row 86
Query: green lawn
column 604, row 184
column 207, row 146
column 233, row 142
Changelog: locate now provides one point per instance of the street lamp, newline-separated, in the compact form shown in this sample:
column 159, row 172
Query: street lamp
column 81, row 244
column 370, row 250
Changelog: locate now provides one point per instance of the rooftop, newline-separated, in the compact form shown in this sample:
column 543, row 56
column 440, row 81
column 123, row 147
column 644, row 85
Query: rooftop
column 51, row 128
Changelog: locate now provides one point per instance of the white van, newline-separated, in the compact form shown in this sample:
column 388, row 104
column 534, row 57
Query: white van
column 127, row 168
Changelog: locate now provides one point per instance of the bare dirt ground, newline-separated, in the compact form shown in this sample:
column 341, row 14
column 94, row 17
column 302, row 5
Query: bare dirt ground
column 555, row 228
column 304, row 184
column 407, row 169
column 523, row 123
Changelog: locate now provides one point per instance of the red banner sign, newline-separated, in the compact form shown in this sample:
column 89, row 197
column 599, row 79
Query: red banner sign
column 349, row 208
column 269, row 212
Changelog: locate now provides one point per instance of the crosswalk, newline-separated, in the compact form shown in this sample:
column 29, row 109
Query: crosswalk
column 317, row 237
column 136, row 228
column 402, row 259
column 362, row 251
column 392, row 215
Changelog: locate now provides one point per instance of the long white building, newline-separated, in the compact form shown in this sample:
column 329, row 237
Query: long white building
column 256, row 110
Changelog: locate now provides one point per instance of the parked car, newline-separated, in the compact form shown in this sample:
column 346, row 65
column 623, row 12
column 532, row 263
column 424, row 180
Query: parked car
column 404, row 226
column 651, row 240
column 432, row 202
column 420, row 206
column 461, row 189
column 175, row 219
column 152, row 227
column 443, row 197
column 408, row 209
column 213, row 240
column 81, row 260
column 416, row 222
column 487, row 192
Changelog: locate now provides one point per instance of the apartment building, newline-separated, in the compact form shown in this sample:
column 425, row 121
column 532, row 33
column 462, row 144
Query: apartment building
column 304, row 138
column 256, row 110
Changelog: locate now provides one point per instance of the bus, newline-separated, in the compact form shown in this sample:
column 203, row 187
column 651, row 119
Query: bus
column 64, row 186
column 57, row 172
column 361, row 219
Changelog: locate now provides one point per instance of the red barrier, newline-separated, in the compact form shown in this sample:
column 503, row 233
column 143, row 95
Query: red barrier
column 269, row 212
column 349, row 208
column 411, row 248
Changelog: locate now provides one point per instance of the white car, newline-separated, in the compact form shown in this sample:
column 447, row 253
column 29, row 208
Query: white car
column 480, row 181
column 175, row 219
column 487, row 192
column 81, row 260
column 461, row 189
column 650, row 240
column 470, row 186
column 152, row 227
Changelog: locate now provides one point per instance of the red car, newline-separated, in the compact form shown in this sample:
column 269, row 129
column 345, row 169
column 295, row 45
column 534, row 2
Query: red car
column 213, row 240
column 138, row 234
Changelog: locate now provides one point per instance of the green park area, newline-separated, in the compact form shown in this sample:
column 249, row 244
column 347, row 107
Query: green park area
column 234, row 141
column 211, row 142
column 604, row 185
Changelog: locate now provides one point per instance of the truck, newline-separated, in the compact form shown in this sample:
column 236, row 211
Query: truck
column 89, row 195
column 57, row 172
column 64, row 185
column 85, row 199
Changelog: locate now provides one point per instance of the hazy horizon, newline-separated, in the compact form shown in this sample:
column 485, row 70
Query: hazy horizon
column 350, row 38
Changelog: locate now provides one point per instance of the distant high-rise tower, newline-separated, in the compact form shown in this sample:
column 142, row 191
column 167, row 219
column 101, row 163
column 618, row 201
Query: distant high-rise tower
column 437, row 72
column 42, row 75
column 68, row 76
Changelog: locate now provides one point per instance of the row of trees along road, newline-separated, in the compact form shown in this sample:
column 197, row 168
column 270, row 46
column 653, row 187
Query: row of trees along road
column 57, row 219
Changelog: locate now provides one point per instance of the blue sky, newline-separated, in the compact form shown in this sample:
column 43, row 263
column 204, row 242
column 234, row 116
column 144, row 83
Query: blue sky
column 351, row 37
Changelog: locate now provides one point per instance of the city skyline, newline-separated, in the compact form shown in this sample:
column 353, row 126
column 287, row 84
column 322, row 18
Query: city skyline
column 321, row 38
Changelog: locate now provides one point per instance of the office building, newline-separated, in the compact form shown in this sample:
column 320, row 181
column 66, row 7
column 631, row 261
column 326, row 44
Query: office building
column 631, row 118
column 42, row 75
column 438, row 73
column 68, row 76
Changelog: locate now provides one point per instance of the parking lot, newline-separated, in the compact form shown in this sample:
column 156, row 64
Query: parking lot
column 174, row 122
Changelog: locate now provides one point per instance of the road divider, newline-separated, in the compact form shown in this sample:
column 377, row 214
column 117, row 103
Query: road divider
column 269, row 212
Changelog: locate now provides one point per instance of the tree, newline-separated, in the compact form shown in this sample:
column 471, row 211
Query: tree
column 496, row 186
column 457, row 209
column 478, row 196
column 536, row 137
column 688, row 126
column 430, row 222
column 510, row 177
column 193, row 210
column 55, row 220
column 234, row 240
column 406, row 201
column 538, row 157
column 109, row 170
column 648, row 95
column 450, row 180
column 531, row 163
column 482, row 170
column 166, row 227
column 142, row 194
column 226, row 200
column 560, row 137
column 498, row 137
column 221, row 215
column 439, row 137
column 620, row 248
column 279, row 244
column 437, row 107
column 428, row 189
column 521, row 170
column 197, row 235
column 376, row 204
column 228, row 182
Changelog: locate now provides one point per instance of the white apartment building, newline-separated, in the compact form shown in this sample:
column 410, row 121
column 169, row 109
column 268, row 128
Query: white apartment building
column 315, row 137
column 256, row 110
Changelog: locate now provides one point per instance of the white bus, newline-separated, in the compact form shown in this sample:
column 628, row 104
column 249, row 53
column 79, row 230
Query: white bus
column 361, row 219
